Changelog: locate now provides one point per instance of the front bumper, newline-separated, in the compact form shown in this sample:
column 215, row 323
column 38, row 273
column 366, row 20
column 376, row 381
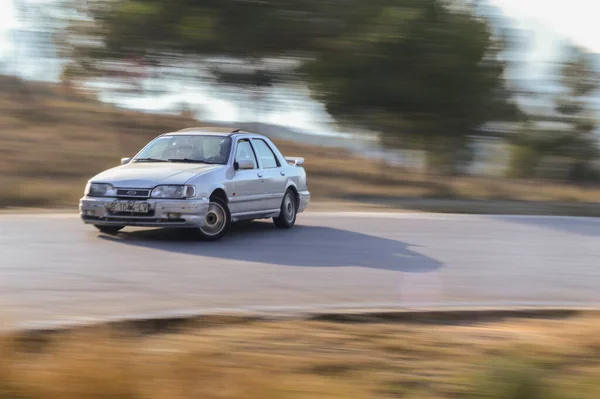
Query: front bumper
column 162, row 213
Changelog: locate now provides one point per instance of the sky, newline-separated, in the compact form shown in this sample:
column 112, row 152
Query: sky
column 547, row 22
column 8, row 21
column 576, row 20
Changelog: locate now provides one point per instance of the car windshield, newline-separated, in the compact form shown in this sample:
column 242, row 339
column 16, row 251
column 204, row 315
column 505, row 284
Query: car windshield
column 187, row 148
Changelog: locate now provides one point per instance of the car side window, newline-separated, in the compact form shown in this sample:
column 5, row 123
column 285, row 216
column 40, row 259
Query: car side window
column 265, row 154
column 244, row 152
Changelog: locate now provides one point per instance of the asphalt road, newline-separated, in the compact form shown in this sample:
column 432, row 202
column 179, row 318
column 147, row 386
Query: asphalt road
column 55, row 269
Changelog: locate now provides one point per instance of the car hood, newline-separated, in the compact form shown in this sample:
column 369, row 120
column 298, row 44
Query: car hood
column 149, row 175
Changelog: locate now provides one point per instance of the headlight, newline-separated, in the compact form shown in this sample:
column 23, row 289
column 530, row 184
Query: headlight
column 100, row 190
column 173, row 192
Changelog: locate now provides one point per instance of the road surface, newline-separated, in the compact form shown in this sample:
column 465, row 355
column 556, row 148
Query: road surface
column 55, row 269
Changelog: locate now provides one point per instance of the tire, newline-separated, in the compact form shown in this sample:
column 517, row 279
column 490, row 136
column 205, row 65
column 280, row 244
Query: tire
column 289, row 208
column 109, row 229
column 217, row 221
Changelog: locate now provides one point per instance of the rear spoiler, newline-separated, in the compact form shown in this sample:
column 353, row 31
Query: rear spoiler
column 296, row 161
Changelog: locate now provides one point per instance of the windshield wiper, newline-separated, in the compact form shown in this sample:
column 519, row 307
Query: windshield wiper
column 189, row 160
column 150, row 160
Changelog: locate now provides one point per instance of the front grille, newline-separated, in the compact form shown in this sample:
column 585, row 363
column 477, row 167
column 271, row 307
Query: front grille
column 133, row 193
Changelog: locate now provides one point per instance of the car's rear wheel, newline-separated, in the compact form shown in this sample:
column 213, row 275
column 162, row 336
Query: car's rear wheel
column 216, row 221
column 109, row 229
column 287, row 215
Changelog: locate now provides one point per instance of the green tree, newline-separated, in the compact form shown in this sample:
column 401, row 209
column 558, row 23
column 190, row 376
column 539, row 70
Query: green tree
column 425, row 74
column 562, row 143
column 162, row 31
column 580, row 80
column 239, row 43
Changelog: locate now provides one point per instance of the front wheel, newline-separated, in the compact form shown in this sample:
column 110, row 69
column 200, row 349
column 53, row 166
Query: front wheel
column 287, row 215
column 109, row 229
column 216, row 221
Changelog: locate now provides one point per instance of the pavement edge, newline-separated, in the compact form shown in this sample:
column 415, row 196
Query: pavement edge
column 157, row 324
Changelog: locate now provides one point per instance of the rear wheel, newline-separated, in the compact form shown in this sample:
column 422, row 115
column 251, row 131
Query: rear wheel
column 216, row 221
column 287, row 216
column 109, row 229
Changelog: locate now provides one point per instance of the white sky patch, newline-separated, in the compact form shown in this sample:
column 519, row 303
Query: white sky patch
column 576, row 20
column 8, row 21
column 305, row 119
column 219, row 110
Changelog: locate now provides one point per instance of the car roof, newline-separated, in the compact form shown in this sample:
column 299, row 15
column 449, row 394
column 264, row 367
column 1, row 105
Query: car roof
column 212, row 131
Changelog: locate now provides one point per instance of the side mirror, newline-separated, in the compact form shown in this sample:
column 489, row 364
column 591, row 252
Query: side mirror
column 125, row 161
column 244, row 164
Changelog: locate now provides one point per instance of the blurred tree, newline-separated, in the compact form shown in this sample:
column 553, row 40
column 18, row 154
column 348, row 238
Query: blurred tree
column 425, row 74
column 580, row 79
column 235, row 41
column 161, row 31
column 563, row 141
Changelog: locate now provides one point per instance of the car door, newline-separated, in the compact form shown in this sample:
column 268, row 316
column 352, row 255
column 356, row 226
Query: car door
column 272, row 174
column 248, row 192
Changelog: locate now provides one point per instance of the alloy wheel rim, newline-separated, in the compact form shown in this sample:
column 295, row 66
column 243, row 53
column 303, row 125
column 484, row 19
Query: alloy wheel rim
column 289, row 208
column 215, row 220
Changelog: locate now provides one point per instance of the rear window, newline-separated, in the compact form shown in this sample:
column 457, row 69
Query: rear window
column 265, row 154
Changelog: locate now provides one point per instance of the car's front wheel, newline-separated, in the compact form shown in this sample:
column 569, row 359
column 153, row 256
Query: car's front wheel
column 109, row 229
column 287, row 215
column 216, row 221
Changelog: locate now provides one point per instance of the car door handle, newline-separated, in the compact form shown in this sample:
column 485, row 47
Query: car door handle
column 259, row 174
column 282, row 173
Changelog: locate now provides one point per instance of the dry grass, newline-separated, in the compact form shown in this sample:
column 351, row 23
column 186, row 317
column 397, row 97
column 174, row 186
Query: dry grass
column 50, row 144
column 313, row 359
column 335, row 174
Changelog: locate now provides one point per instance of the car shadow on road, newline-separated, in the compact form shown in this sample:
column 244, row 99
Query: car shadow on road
column 311, row 246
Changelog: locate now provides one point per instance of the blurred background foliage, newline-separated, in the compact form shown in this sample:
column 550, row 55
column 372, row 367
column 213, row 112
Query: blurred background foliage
column 425, row 75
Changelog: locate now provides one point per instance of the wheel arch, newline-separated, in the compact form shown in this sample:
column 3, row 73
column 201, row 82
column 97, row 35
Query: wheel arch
column 219, row 192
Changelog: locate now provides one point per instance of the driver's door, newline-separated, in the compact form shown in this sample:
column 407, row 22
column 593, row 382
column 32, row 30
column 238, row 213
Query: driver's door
column 248, row 187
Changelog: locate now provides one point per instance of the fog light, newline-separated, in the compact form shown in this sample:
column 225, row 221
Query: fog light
column 173, row 215
column 89, row 212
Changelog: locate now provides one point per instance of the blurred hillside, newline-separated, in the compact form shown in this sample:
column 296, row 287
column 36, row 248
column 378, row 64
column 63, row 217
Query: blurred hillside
column 51, row 142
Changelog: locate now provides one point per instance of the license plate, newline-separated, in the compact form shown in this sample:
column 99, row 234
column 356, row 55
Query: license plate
column 129, row 206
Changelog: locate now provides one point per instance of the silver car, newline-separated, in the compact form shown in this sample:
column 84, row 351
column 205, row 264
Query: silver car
column 198, row 178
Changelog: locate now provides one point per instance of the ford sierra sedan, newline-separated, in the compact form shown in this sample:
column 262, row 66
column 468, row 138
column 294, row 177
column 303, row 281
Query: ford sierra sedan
column 198, row 178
